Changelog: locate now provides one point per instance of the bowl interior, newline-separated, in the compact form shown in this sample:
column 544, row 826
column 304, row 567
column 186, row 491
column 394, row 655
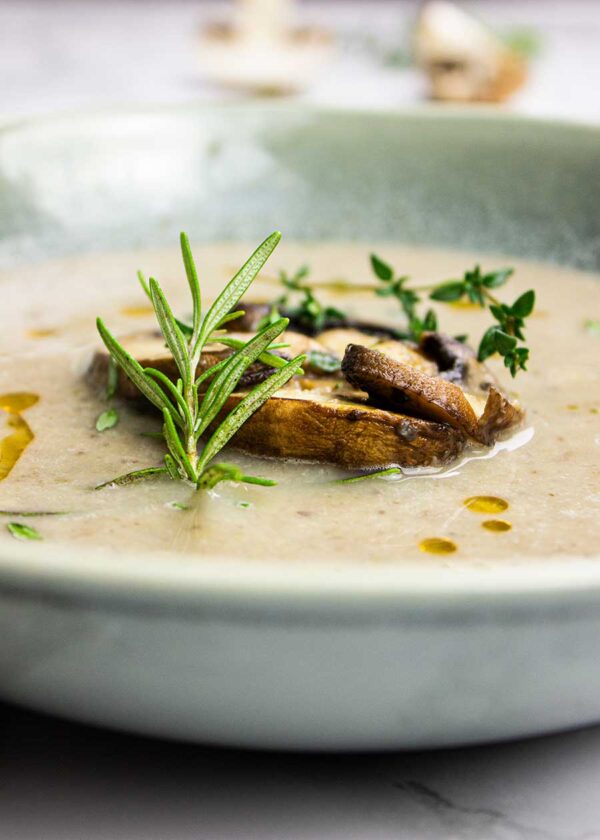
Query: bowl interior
column 123, row 179
column 132, row 179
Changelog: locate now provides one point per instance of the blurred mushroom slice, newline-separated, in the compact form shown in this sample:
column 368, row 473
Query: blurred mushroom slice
column 259, row 49
column 463, row 59
column 344, row 431
column 406, row 389
column 457, row 362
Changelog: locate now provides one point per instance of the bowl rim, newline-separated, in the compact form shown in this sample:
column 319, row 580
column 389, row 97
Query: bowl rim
column 56, row 567
column 459, row 112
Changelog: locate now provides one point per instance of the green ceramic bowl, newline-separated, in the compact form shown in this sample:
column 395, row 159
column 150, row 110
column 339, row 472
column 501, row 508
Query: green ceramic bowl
column 310, row 656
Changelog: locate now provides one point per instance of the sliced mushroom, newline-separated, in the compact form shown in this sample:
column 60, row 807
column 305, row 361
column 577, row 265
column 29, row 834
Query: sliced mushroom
column 150, row 351
column 344, row 431
column 313, row 419
column 463, row 59
column 337, row 340
column 404, row 388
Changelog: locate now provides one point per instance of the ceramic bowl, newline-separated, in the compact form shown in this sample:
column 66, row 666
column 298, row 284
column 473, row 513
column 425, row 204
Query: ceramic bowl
column 317, row 656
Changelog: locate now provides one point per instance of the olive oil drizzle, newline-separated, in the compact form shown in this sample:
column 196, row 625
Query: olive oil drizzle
column 14, row 444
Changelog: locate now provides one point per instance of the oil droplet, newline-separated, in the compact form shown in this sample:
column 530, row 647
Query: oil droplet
column 572, row 407
column 13, row 445
column 485, row 504
column 437, row 545
column 497, row 525
column 42, row 332
column 593, row 411
column 137, row 311
column 17, row 402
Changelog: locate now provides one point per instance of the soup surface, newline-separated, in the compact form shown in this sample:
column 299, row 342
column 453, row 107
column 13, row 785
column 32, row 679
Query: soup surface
column 544, row 480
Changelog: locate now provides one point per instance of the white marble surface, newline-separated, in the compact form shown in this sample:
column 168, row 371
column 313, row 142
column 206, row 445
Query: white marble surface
column 65, row 54
column 62, row 781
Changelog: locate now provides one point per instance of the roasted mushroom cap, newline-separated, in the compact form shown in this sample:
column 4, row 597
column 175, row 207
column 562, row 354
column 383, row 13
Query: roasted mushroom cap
column 404, row 388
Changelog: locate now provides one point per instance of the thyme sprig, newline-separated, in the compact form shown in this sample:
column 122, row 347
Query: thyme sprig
column 301, row 304
column 503, row 337
column 189, row 414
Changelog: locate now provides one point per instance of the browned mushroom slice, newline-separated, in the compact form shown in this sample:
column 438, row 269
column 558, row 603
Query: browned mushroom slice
column 411, row 391
column 344, row 432
column 314, row 419
column 150, row 351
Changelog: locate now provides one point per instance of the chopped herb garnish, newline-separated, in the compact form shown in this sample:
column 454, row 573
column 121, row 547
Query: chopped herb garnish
column 23, row 532
column 189, row 415
column 178, row 506
column 244, row 505
column 107, row 420
column 592, row 326
column 325, row 362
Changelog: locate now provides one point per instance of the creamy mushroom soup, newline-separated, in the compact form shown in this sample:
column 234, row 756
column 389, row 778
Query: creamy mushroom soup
column 534, row 493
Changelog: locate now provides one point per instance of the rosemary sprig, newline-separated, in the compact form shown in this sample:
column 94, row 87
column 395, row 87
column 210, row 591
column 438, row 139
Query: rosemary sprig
column 188, row 414
column 502, row 337
column 383, row 473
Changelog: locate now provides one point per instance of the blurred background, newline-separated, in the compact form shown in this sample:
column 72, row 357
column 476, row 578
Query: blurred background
column 532, row 56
